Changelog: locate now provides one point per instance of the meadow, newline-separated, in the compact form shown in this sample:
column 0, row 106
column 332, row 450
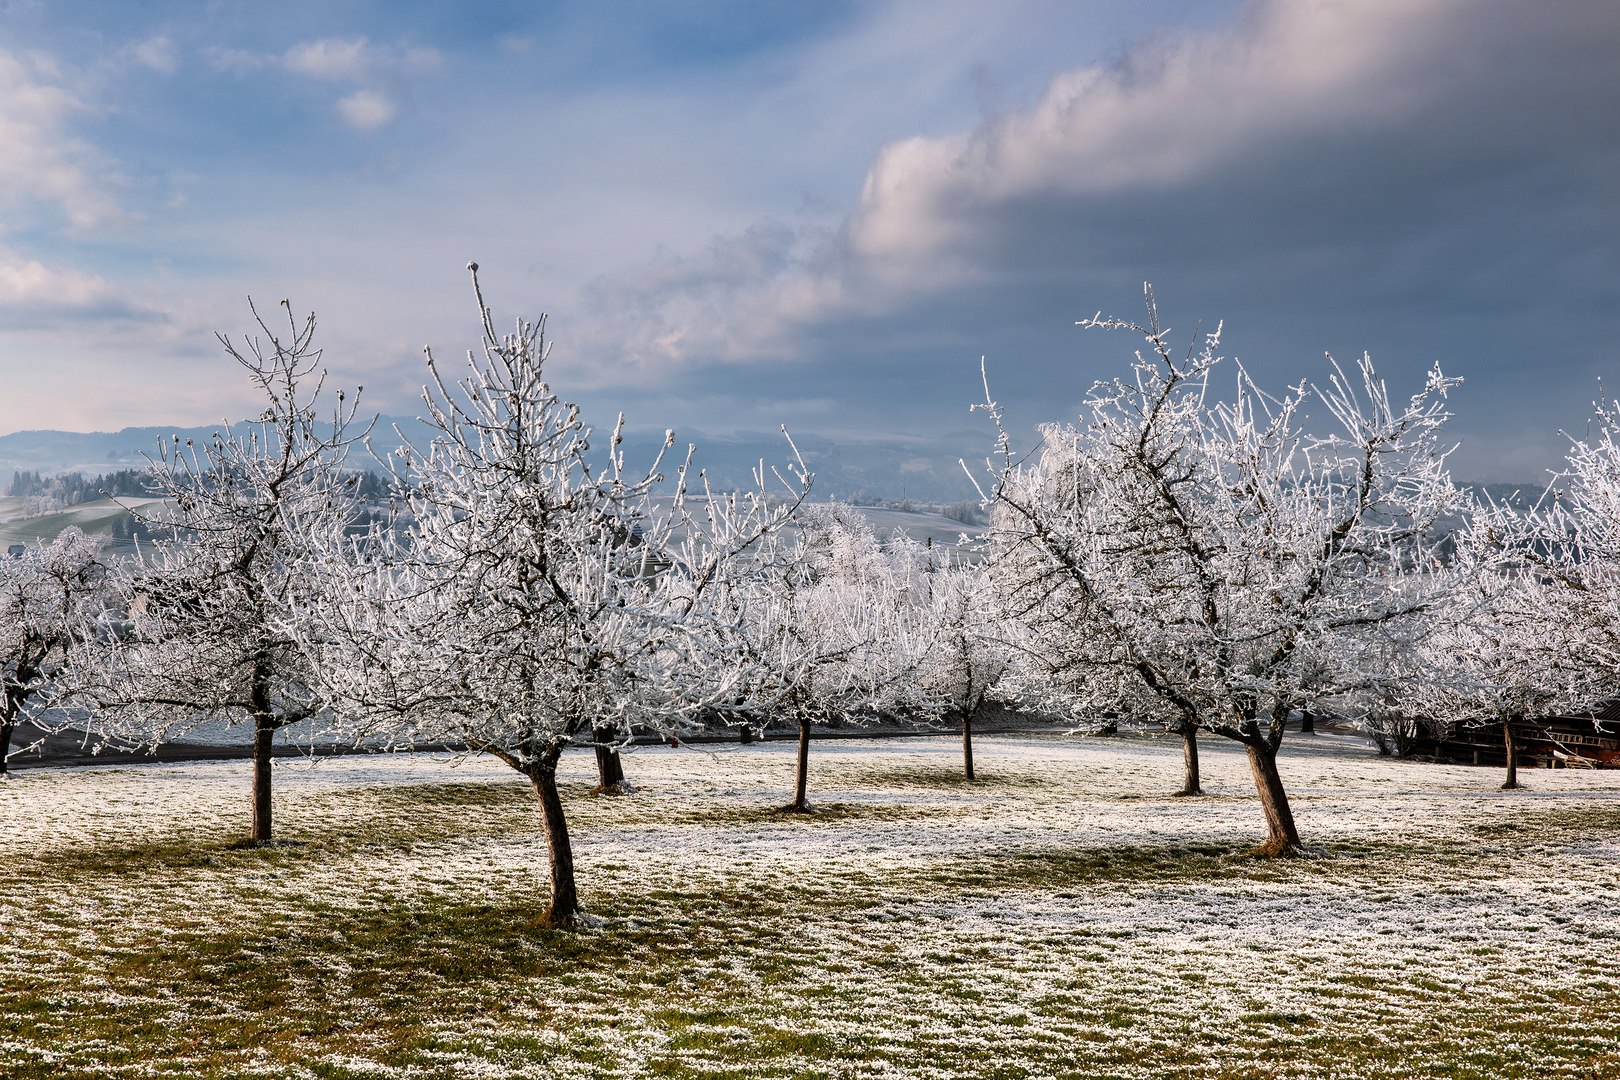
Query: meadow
column 1063, row 916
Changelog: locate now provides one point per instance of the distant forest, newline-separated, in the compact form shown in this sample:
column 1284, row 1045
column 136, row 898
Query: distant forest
column 71, row 489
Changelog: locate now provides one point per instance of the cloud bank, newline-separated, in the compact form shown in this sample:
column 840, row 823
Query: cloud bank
column 33, row 296
column 824, row 216
column 1409, row 157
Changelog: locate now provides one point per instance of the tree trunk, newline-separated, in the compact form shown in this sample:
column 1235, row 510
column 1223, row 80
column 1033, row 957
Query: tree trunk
column 1284, row 839
column 263, row 732
column 6, row 730
column 564, row 910
column 801, row 798
column 1512, row 755
column 609, row 769
column 967, row 744
column 1189, row 761
column 1307, row 724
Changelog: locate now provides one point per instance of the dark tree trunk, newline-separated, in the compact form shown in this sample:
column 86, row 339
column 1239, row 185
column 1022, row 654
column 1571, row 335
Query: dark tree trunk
column 263, row 733
column 6, row 730
column 967, row 744
column 1284, row 838
column 609, row 769
column 801, row 798
column 564, row 910
column 1512, row 745
column 1307, row 724
column 1189, row 761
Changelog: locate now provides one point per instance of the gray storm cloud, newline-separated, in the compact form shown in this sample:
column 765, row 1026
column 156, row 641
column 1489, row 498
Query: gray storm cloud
column 1426, row 178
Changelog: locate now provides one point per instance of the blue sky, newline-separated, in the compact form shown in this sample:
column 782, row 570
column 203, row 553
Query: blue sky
column 743, row 214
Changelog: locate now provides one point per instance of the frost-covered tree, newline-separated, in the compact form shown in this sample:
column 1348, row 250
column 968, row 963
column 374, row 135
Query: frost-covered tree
column 1206, row 549
column 1540, row 630
column 1570, row 550
column 834, row 624
column 49, row 600
column 1386, row 696
column 207, row 599
column 971, row 643
column 1498, row 651
column 537, row 601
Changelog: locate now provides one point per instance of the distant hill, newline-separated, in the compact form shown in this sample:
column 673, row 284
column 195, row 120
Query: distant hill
column 921, row 468
column 90, row 452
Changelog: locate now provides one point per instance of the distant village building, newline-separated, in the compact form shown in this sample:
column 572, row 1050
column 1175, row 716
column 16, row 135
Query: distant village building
column 17, row 551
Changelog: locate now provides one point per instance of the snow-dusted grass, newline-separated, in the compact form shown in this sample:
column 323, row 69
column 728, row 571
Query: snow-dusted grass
column 1062, row 917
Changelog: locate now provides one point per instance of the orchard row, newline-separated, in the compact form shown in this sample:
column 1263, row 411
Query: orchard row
column 1177, row 556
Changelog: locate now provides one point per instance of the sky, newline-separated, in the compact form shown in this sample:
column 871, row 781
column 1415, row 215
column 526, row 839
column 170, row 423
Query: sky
column 738, row 215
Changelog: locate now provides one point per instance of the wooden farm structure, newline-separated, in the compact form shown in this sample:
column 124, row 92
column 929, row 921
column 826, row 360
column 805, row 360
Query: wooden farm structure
column 1545, row 742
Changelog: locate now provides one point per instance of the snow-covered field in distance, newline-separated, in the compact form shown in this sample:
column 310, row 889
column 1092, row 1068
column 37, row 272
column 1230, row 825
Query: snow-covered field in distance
column 95, row 518
column 922, row 526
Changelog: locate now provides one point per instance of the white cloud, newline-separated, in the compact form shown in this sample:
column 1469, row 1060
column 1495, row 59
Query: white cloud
column 235, row 61
column 158, row 53
column 366, row 110
column 739, row 301
column 33, row 295
column 357, row 60
column 1173, row 110
column 39, row 161
column 420, row 61
column 382, row 73
column 332, row 59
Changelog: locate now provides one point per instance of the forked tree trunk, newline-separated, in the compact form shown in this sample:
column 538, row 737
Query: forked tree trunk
column 1284, row 838
column 609, row 769
column 264, row 733
column 801, row 798
column 1512, row 745
column 564, row 910
column 967, row 743
column 1189, row 761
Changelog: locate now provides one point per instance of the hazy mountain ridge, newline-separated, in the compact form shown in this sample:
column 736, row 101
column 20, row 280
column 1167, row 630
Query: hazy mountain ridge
column 922, row 468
